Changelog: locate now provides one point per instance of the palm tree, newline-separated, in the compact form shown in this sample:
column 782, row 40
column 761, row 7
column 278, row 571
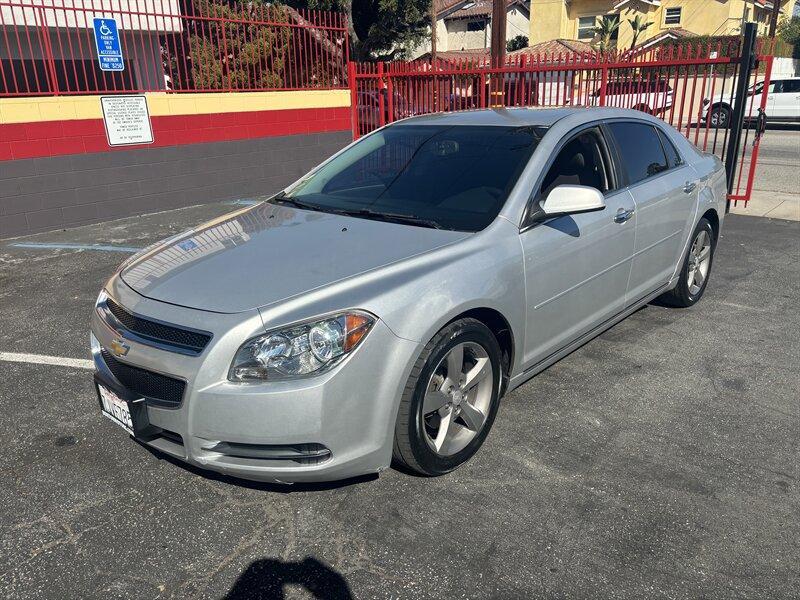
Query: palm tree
column 605, row 31
column 638, row 25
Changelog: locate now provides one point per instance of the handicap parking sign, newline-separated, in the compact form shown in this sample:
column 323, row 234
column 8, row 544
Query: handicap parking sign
column 109, row 50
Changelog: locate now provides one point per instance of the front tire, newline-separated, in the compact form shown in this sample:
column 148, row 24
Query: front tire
column 450, row 400
column 696, row 268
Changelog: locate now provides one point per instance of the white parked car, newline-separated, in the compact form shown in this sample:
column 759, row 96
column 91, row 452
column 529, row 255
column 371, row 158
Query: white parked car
column 783, row 103
column 652, row 97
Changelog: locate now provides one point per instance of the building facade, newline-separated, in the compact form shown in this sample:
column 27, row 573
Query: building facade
column 575, row 19
column 467, row 24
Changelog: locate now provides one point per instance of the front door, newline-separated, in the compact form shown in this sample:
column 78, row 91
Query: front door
column 785, row 100
column 576, row 266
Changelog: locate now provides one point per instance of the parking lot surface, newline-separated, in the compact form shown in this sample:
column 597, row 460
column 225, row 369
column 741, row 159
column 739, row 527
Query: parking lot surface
column 660, row 460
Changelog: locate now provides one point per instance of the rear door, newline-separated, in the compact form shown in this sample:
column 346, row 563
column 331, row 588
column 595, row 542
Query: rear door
column 664, row 191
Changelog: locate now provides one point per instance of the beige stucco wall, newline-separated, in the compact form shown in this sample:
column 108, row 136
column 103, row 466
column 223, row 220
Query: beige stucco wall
column 559, row 19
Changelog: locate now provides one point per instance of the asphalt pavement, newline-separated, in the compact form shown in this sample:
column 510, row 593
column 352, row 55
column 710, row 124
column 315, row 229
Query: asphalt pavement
column 658, row 461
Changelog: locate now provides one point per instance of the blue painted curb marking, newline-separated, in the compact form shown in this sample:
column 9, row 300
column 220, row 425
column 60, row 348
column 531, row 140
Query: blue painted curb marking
column 44, row 245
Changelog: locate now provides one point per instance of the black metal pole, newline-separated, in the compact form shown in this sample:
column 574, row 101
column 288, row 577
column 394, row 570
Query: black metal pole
column 747, row 62
column 773, row 22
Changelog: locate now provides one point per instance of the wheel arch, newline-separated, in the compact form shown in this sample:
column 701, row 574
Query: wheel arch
column 720, row 104
column 499, row 326
column 712, row 217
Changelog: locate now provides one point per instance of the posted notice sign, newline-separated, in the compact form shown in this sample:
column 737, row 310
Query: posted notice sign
column 109, row 50
column 127, row 120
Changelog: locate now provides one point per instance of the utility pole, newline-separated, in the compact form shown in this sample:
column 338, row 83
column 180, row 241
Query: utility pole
column 498, row 51
column 773, row 23
column 433, row 31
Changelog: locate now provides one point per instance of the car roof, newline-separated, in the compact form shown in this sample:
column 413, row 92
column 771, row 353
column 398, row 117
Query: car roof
column 500, row 117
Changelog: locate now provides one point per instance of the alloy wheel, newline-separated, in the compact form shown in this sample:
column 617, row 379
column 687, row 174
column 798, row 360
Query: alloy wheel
column 699, row 262
column 457, row 398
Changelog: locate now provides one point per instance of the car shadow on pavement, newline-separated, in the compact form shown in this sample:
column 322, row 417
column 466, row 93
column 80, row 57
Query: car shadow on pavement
column 267, row 578
column 282, row 488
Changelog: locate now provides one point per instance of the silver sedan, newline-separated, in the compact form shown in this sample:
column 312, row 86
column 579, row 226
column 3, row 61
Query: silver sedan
column 376, row 311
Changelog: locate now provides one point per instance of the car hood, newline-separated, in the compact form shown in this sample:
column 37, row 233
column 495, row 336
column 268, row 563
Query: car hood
column 267, row 253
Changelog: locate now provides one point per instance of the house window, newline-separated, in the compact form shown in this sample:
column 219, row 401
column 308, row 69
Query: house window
column 476, row 25
column 672, row 16
column 586, row 27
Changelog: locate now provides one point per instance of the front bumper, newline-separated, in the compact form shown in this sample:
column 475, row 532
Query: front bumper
column 333, row 426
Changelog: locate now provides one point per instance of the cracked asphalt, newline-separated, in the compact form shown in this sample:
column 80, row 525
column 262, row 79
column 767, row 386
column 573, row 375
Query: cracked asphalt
column 660, row 461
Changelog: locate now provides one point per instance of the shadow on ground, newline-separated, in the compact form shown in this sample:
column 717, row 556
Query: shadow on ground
column 267, row 579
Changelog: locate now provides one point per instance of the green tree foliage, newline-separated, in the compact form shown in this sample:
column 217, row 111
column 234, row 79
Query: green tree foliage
column 379, row 29
column 638, row 25
column 789, row 32
column 234, row 52
column 517, row 43
column 605, row 31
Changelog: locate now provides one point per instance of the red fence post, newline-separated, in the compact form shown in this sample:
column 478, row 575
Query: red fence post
column 603, row 82
column 381, row 103
column 390, row 96
column 351, row 79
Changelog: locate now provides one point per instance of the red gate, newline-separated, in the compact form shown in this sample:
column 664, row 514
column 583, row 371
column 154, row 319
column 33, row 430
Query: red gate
column 690, row 86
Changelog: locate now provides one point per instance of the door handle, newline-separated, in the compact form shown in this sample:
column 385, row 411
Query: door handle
column 689, row 187
column 623, row 215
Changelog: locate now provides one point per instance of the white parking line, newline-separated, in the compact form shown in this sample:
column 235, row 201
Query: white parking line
column 41, row 359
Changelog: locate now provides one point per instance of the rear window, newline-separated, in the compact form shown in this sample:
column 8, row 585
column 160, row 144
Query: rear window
column 640, row 150
column 673, row 156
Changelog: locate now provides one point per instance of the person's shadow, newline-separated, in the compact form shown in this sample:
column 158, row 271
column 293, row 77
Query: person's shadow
column 267, row 578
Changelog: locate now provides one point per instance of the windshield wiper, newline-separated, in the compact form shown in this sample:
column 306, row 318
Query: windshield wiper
column 282, row 198
column 393, row 217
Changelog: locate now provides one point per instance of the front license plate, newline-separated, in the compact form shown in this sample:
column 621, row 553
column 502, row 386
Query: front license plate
column 115, row 408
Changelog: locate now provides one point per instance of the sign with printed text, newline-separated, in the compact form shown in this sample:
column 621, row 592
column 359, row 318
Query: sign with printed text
column 127, row 120
column 109, row 49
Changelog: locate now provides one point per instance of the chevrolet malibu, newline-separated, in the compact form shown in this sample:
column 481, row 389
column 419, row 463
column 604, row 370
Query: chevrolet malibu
column 375, row 311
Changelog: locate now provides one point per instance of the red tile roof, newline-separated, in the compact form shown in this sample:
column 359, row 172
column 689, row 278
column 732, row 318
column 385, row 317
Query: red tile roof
column 473, row 54
column 557, row 46
column 472, row 8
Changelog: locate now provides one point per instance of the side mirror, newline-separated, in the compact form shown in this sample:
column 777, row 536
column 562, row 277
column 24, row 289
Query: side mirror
column 569, row 199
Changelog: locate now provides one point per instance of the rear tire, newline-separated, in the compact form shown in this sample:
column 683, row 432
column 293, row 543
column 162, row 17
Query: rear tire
column 719, row 116
column 696, row 268
column 450, row 401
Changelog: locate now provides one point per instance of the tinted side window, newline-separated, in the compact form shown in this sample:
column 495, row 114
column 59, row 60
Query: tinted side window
column 791, row 86
column 580, row 162
column 673, row 158
column 640, row 150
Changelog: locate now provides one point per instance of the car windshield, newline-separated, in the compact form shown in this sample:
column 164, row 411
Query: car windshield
column 447, row 177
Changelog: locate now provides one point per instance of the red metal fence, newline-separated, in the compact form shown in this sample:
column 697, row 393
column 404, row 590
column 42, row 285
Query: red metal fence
column 169, row 45
column 690, row 86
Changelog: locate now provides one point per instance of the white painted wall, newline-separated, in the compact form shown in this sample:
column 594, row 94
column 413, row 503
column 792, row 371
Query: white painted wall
column 785, row 67
column 68, row 13
column 453, row 35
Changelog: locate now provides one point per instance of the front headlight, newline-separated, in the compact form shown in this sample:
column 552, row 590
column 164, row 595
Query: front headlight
column 300, row 350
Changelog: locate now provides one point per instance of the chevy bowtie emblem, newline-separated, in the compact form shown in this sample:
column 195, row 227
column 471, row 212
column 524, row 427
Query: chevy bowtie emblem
column 119, row 348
